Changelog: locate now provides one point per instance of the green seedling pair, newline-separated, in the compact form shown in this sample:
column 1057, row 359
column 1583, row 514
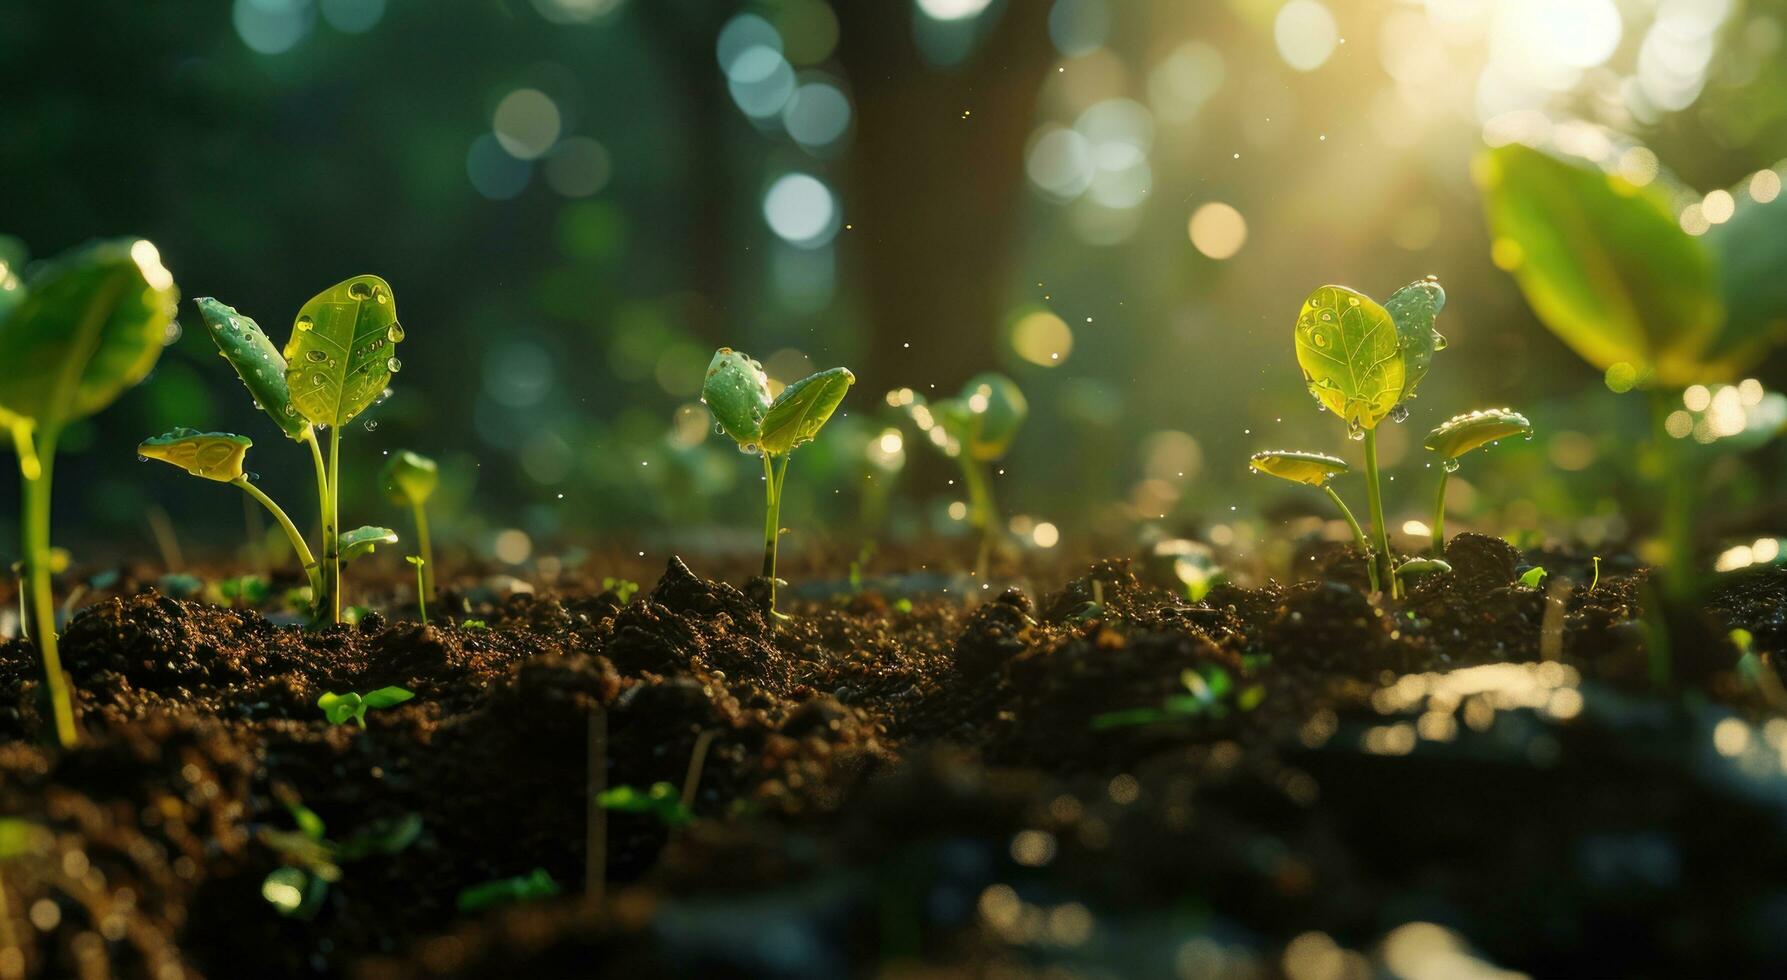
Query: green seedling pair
column 341, row 356
column 976, row 429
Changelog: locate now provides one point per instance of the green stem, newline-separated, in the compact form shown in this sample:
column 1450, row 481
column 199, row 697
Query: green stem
column 331, row 600
column 1439, row 512
column 301, row 549
column 1375, row 499
column 427, row 581
column 981, row 510
column 1680, row 577
column 422, row 592
column 319, row 599
column 37, row 561
column 1358, row 535
column 772, row 521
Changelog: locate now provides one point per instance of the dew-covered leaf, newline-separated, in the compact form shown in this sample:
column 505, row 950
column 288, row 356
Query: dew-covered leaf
column 343, row 350
column 737, row 395
column 1462, row 433
column 802, row 409
column 212, row 455
column 996, row 410
column 410, row 478
column 258, row 363
column 1413, row 309
column 91, row 324
column 1347, row 347
column 1315, row 469
column 1605, row 264
column 363, row 540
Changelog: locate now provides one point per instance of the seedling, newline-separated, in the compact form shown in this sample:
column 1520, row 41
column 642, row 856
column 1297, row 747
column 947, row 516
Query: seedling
column 1596, row 579
column 410, row 479
column 1459, row 435
column 503, row 891
column 1209, row 691
column 1316, row 469
column 313, row 862
column 421, row 591
column 1533, row 576
column 975, row 428
column 736, row 392
column 1422, row 566
column 337, row 363
column 74, row 335
column 339, row 708
column 623, row 589
column 663, row 801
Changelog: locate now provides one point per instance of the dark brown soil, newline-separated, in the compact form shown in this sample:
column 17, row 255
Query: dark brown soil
column 1101, row 779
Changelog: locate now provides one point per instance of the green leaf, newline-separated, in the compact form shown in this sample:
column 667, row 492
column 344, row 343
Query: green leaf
column 1749, row 253
column 737, row 394
column 386, row 697
column 1413, row 309
column 521, row 888
column 1348, row 349
column 410, row 478
column 996, row 409
column 1315, row 469
column 1605, row 265
column 1462, row 433
column 802, row 408
column 92, row 324
column 343, row 350
column 257, row 362
column 364, row 540
column 309, row 824
column 212, row 455
column 661, row 801
column 1533, row 576
column 339, row 708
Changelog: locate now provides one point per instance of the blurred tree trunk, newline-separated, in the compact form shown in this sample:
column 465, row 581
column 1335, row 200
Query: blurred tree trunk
column 933, row 187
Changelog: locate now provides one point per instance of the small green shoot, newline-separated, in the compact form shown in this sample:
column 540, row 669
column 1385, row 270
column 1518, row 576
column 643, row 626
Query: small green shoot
column 1316, row 469
column 624, row 589
column 313, row 862
column 340, row 708
column 1533, row 576
column 75, row 333
column 504, row 891
column 410, row 479
column 663, row 801
column 736, row 392
column 421, row 590
column 1596, row 578
column 1209, row 693
column 1459, row 435
column 975, row 428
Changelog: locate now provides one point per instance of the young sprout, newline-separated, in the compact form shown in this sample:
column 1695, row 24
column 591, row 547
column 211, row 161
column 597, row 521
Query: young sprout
column 1459, row 435
column 1363, row 361
column 313, row 861
column 1316, row 469
column 975, row 428
column 339, row 708
column 409, row 480
column 1533, row 576
column 503, row 891
column 663, row 801
column 337, row 363
column 74, row 335
column 736, row 392
column 421, row 592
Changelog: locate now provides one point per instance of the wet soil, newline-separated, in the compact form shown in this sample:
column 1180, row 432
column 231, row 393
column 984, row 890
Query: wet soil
column 1104, row 778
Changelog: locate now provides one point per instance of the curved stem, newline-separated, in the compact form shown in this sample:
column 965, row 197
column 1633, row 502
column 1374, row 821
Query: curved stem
column 332, row 532
column 1375, row 499
column 426, row 549
column 981, row 510
column 772, row 522
column 1358, row 535
column 37, row 561
column 299, row 548
column 1439, row 512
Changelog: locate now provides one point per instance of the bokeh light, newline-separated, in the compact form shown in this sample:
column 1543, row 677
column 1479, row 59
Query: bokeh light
column 494, row 172
column 272, row 26
column 526, row 123
column 1218, row 230
column 801, row 210
column 1305, row 33
column 578, row 167
column 1042, row 338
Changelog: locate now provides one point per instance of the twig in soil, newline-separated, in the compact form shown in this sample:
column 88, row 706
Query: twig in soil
column 595, row 833
column 1551, row 628
column 166, row 541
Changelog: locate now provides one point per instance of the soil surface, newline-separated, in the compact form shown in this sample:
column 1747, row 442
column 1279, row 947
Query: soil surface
column 1104, row 779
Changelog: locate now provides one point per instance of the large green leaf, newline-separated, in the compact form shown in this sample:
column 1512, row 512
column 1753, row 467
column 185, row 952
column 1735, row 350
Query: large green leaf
column 1348, row 349
column 1605, row 264
column 212, row 455
column 343, row 350
column 996, row 410
column 91, row 325
column 802, row 408
column 257, row 362
column 1462, row 433
column 410, row 478
column 1750, row 258
column 1413, row 309
column 737, row 395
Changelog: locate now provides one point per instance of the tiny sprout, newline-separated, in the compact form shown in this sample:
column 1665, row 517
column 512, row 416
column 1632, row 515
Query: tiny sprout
column 737, row 394
column 1316, row 469
column 1533, row 576
column 1422, row 566
column 421, row 593
column 1459, row 435
column 1596, row 580
column 313, row 861
column 339, row 708
column 663, row 801
column 974, row 428
column 503, row 891
column 623, row 589
column 409, row 480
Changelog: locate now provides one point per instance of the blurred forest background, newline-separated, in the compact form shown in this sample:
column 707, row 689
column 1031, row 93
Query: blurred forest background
column 1119, row 203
